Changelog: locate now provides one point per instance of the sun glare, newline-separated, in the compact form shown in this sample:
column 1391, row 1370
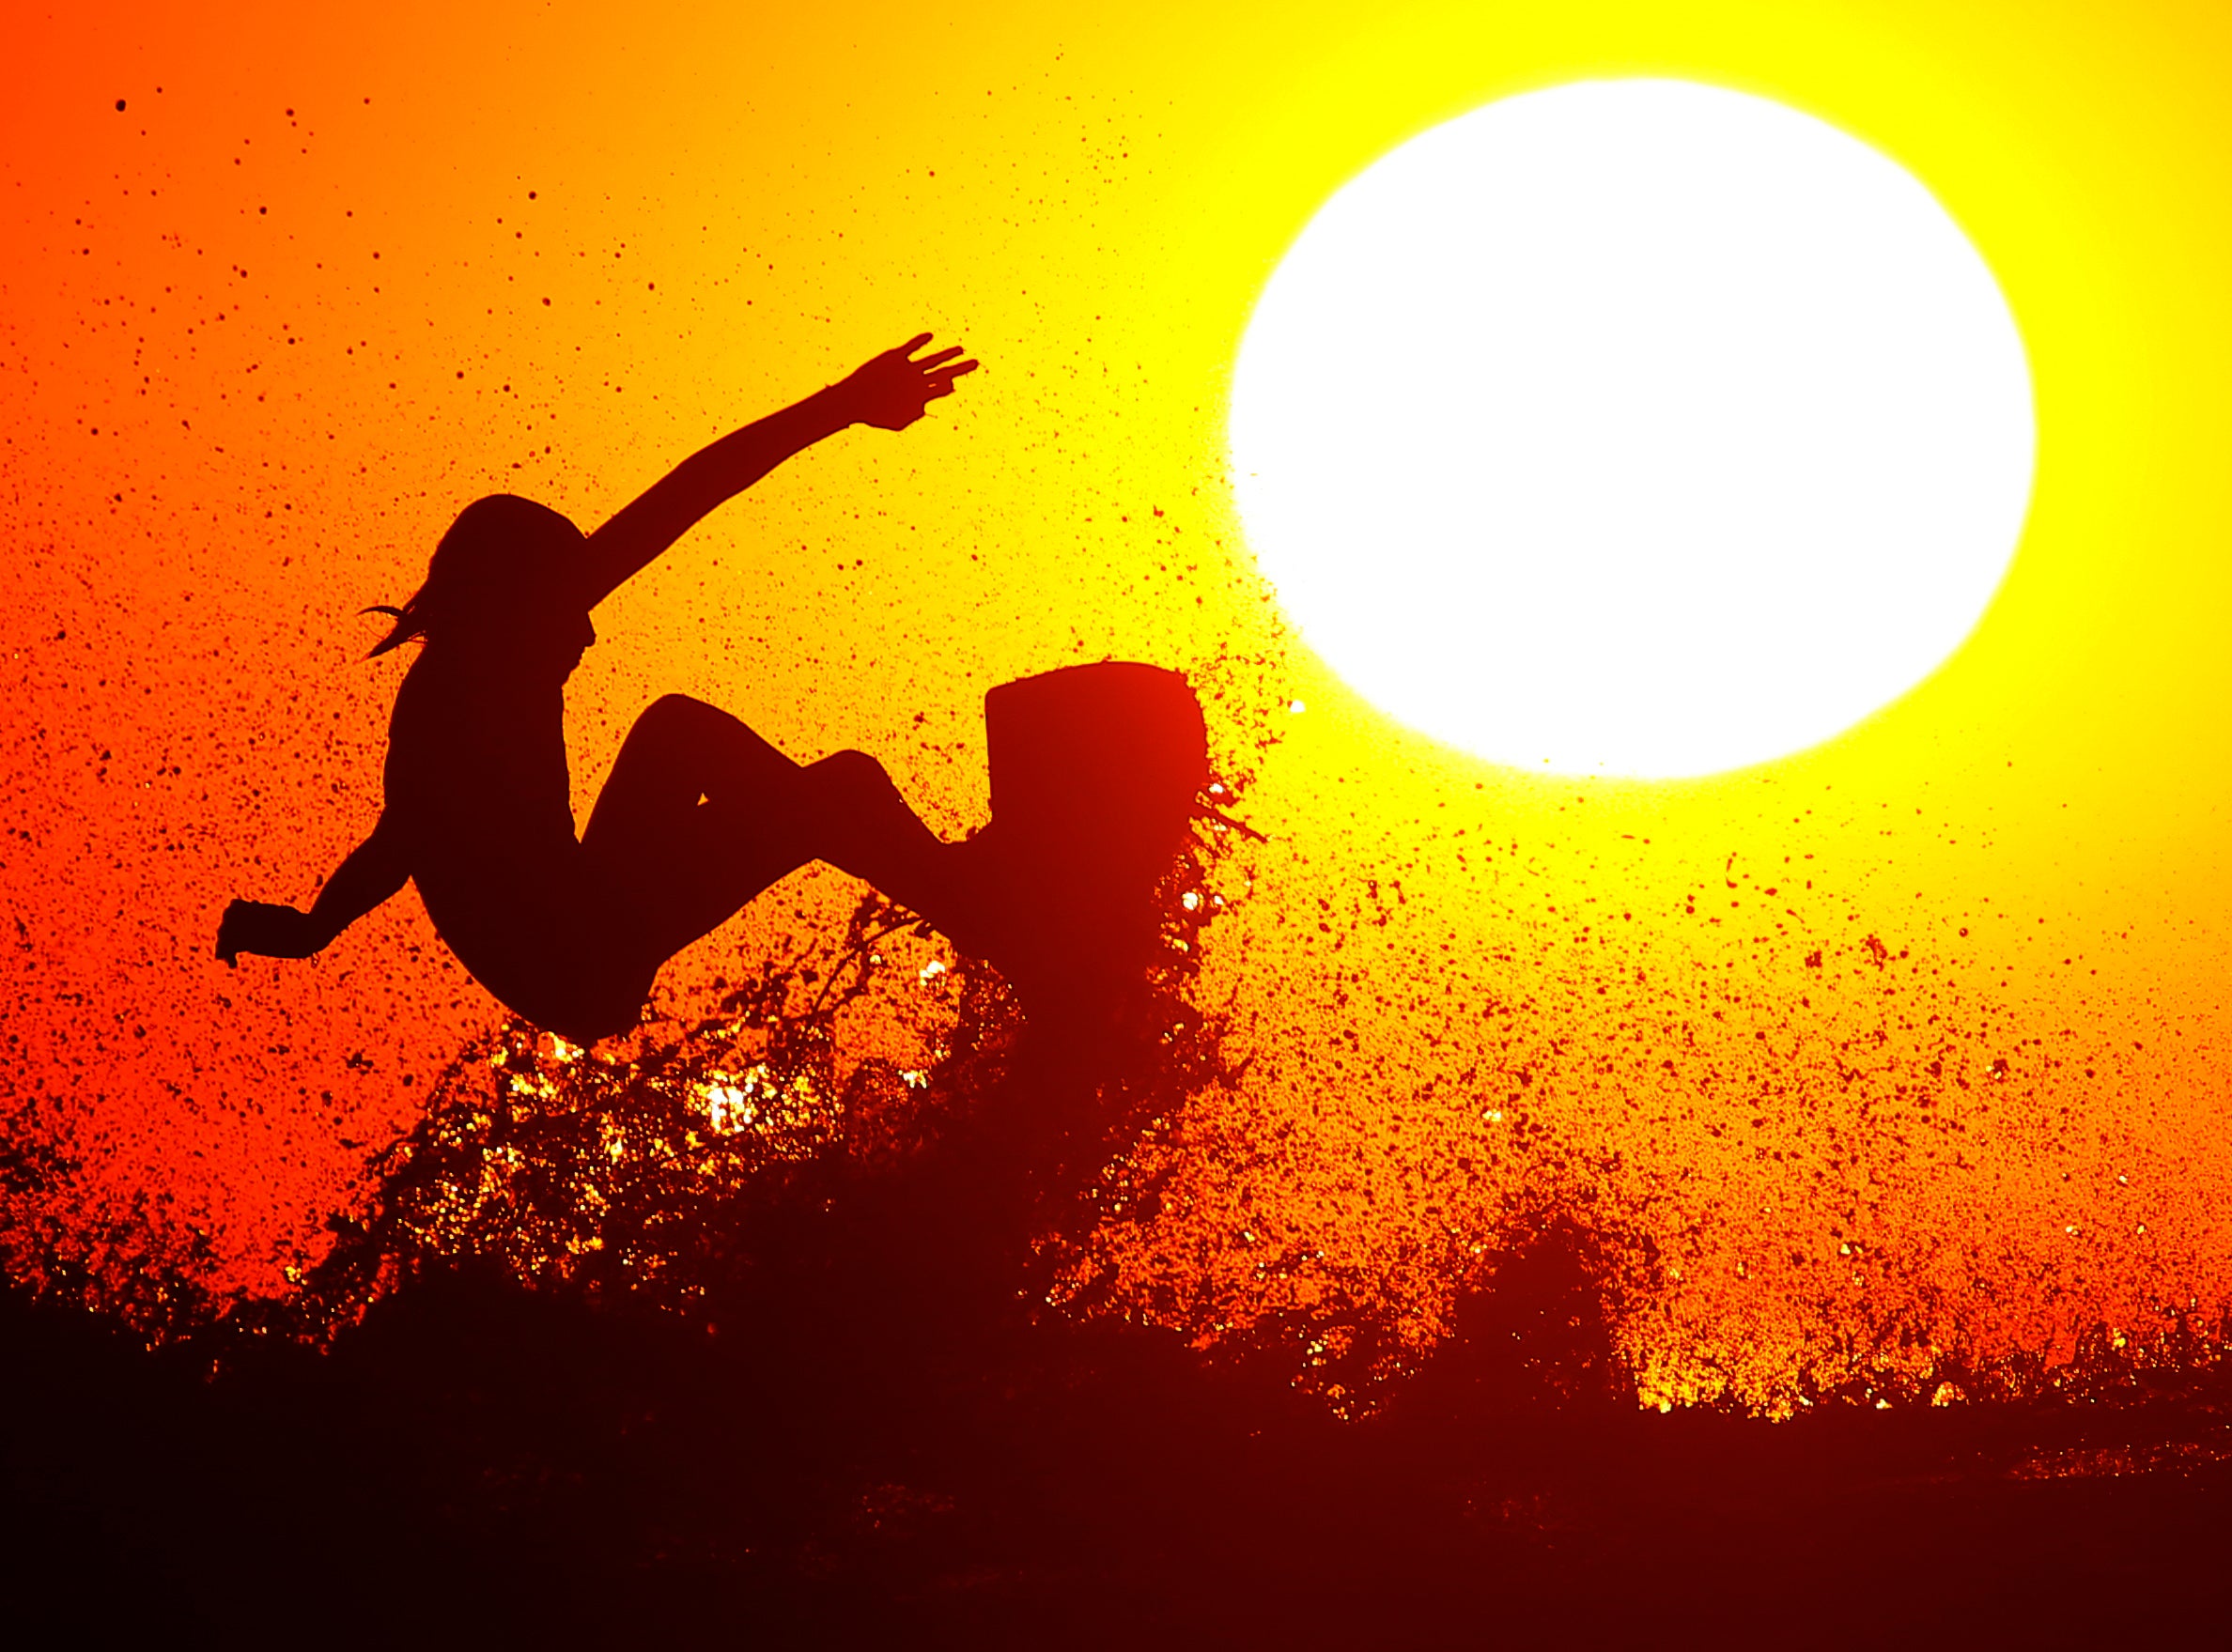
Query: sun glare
column 1633, row 427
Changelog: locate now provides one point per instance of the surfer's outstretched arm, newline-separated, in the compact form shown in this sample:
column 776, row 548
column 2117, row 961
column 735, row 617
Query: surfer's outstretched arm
column 889, row 391
column 373, row 871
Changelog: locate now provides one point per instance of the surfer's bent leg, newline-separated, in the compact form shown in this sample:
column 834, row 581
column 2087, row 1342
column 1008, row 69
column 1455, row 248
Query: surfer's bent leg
column 701, row 813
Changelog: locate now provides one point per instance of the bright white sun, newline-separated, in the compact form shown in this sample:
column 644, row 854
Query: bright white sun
column 1633, row 427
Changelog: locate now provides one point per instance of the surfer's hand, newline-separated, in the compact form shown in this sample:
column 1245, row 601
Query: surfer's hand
column 891, row 391
column 257, row 926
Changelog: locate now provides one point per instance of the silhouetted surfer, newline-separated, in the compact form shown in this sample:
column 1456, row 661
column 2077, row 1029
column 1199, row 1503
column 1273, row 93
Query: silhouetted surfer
column 1095, row 772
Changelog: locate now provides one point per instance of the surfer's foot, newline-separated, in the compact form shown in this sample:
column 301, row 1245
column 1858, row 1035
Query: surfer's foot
column 983, row 910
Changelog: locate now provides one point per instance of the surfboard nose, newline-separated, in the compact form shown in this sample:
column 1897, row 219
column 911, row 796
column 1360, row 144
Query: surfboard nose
column 1096, row 771
column 1098, row 765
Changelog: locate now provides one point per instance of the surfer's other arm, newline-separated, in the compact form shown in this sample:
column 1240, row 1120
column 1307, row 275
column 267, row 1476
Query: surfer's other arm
column 889, row 391
column 374, row 870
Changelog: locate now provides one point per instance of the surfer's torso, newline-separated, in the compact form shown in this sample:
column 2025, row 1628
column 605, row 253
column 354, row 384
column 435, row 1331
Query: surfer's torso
column 477, row 781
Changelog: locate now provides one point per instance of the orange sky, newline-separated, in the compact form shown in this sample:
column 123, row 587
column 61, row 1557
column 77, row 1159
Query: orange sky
column 1918, row 1030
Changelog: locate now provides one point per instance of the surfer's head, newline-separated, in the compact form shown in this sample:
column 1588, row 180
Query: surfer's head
column 497, row 574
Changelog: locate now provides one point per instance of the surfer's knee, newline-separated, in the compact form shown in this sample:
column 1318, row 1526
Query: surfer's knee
column 673, row 728
column 675, row 714
column 844, row 775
